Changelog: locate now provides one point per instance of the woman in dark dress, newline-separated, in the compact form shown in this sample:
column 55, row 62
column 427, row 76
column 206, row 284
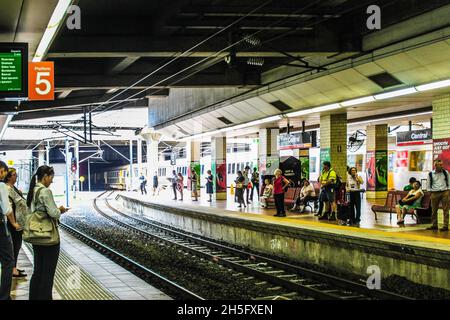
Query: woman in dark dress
column 240, row 186
column 209, row 184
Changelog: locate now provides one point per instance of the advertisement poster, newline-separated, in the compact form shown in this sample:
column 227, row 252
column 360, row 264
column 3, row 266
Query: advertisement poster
column 312, row 164
column 370, row 170
column 291, row 170
column 402, row 159
column 304, row 163
column 381, row 167
column 391, row 168
column 220, row 181
column 195, row 165
column 420, row 161
column 441, row 150
column 324, row 156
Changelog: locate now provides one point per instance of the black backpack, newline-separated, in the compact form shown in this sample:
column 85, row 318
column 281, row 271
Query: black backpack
column 445, row 175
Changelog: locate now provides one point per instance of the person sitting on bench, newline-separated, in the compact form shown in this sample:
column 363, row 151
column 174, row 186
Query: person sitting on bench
column 411, row 201
column 268, row 190
column 307, row 193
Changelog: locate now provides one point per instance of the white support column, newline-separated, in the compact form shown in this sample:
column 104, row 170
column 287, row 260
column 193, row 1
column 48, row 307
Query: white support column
column 139, row 156
column 268, row 154
column 219, row 166
column 67, row 175
column 193, row 160
column 41, row 156
column 77, row 172
column 47, row 154
column 152, row 140
column 131, row 165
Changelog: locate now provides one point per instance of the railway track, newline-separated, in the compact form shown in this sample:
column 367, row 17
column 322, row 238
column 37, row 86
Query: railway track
column 174, row 290
column 293, row 279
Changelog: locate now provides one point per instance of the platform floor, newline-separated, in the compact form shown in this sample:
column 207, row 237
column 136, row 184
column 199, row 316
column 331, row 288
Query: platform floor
column 383, row 228
column 85, row 274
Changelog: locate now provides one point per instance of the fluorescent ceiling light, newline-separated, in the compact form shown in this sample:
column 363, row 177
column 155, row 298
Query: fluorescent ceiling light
column 434, row 85
column 353, row 102
column 396, row 93
column 314, row 110
column 391, row 118
column 52, row 27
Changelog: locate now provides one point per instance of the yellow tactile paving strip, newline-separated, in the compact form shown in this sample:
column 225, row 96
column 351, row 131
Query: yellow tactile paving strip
column 393, row 236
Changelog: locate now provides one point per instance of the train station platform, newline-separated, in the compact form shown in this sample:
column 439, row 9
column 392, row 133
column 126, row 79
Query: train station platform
column 419, row 255
column 85, row 274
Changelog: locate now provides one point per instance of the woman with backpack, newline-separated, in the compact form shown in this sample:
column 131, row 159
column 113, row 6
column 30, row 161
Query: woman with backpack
column 16, row 219
column 44, row 215
column 240, row 186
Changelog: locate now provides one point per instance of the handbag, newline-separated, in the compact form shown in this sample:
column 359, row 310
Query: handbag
column 39, row 228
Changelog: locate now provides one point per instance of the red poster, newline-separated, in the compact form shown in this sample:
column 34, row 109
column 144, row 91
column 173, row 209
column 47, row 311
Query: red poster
column 370, row 170
column 441, row 150
column 402, row 154
column 221, row 177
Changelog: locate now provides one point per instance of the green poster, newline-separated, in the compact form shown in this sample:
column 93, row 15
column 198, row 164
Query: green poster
column 304, row 162
column 381, row 169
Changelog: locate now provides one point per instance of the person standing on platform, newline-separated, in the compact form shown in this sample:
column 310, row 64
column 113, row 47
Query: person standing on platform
column 327, row 195
column 279, row 184
column 439, row 186
column 40, row 200
column 255, row 183
column 6, row 246
column 193, row 180
column 155, row 183
column 209, row 184
column 174, row 182
column 180, row 185
column 16, row 218
column 246, row 183
column 143, row 184
column 354, row 182
column 240, row 186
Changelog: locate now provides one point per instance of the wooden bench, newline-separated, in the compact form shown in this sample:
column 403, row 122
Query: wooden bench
column 388, row 206
column 289, row 196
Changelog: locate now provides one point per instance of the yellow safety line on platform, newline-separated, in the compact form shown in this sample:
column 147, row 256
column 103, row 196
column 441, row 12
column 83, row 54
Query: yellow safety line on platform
column 353, row 229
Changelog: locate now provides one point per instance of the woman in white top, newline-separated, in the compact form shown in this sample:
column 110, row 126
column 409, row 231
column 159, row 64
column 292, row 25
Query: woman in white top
column 40, row 198
column 268, row 190
column 353, row 187
column 307, row 193
column 412, row 200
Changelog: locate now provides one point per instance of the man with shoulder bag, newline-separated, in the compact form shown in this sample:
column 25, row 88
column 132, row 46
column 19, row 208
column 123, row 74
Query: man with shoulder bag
column 439, row 187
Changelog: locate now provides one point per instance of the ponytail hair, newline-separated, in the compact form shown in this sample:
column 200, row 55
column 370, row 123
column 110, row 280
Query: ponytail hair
column 39, row 175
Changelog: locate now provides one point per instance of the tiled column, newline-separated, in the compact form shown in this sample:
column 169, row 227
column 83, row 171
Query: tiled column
column 377, row 161
column 219, row 166
column 268, row 154
column 441, row 129
column 193, row 158
column 333, row 142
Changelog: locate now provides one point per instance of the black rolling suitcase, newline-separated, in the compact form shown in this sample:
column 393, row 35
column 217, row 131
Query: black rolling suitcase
column 343, row 206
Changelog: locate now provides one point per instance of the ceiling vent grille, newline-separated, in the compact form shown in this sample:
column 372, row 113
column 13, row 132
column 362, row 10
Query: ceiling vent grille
column 281, row 105
column 225, row 120
column 385, row 80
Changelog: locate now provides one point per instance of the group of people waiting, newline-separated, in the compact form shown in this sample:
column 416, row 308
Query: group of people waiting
column 246, row 183
column 17, row 211
column 177, row 182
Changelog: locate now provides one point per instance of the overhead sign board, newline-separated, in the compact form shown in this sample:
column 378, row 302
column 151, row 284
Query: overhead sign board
column 415, row 137
column 41, row 83
column 13, row 70
column 296, row 140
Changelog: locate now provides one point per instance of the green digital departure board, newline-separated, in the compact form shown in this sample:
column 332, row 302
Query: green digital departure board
column 11, row 71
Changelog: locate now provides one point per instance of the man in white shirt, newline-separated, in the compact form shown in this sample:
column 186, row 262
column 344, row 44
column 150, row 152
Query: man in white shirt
column 439, row 186
column 6, row 248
